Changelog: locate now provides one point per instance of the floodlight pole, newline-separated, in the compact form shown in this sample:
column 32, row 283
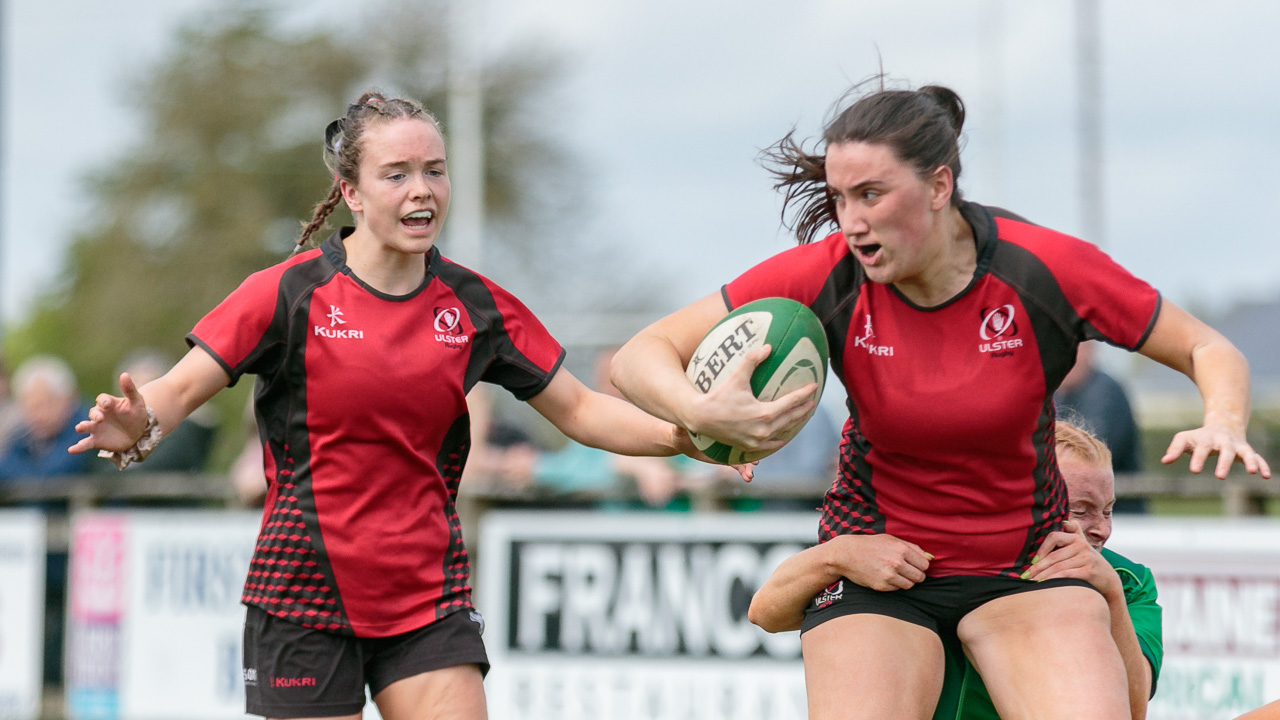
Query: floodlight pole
column 1089, row 121
column 464, row 132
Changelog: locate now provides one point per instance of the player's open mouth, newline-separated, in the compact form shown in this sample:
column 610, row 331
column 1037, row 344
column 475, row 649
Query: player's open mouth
column 418, row 220
column 867, row 253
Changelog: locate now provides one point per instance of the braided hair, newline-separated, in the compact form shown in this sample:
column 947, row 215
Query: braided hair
column 343, row 145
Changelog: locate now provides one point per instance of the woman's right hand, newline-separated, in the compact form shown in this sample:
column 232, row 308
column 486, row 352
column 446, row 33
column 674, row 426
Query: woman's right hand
column 731, row 414
column 115, row 423
column 880, row 562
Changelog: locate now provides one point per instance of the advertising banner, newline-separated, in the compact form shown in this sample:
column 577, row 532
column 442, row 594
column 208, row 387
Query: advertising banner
column 636, row 617
column 22, row 551
column 155, row 620
column 1219, row 586
column 643, row 617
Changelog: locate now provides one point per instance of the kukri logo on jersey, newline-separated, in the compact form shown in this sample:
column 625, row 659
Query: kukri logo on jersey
column 998, row 331
column 334, row 331
column 448, row 324
column 867, row 341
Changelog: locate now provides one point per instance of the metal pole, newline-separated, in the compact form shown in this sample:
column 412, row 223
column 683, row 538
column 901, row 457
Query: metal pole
column 992, row 63
column 1089, row 120
column 465, row 134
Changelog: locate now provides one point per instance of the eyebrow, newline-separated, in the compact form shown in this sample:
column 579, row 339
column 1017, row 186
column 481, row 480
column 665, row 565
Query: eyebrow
column 408, row 163
column 859, row 186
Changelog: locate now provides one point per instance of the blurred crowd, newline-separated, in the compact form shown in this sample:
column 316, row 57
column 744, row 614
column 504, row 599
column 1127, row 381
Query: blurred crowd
column 41, row 403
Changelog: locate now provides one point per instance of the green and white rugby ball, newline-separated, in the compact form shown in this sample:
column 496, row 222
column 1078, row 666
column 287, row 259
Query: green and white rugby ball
column 798, row 357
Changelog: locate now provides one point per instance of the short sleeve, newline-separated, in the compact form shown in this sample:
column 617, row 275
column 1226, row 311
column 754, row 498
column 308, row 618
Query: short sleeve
column 523, row 354
column 800, row 273
column 1113, row 305
column 243, row 328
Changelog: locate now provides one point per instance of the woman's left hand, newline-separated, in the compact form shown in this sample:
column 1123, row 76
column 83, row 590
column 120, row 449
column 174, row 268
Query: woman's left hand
column 684, row 445
column 1228, row 443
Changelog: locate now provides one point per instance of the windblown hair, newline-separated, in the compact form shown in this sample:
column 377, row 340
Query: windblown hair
column 343, row 146
column 921, row 127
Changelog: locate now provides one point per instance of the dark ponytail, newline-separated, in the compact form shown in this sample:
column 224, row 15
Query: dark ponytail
column 922, row 127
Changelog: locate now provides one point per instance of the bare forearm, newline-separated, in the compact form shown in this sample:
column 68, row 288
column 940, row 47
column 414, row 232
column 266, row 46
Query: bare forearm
column 778, row 606
column 648, row 371
column 1137, row 668
column 1221, row 374
column 187, row 386
column 605, row 422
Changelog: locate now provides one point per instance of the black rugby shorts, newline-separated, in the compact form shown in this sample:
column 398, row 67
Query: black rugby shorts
column 295, row 672
column 938, row 603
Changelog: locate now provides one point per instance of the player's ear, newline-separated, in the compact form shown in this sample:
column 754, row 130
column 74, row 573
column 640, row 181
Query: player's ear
column 942, row 184
column 350, row 196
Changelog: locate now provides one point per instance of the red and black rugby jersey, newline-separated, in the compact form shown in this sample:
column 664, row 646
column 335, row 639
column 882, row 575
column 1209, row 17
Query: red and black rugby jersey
column 361, row 407
column 949, row 443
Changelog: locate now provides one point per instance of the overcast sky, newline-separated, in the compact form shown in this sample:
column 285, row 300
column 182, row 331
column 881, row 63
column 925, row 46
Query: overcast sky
column 669, row 101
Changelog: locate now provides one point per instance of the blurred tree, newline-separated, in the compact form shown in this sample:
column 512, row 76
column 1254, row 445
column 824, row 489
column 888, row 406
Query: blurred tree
column 228, row 163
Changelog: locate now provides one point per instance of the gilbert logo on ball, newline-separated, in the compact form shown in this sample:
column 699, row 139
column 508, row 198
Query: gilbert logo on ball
column 798, row 357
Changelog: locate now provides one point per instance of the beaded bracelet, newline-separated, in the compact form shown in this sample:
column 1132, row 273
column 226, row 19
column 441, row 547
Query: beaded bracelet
column 141, row 449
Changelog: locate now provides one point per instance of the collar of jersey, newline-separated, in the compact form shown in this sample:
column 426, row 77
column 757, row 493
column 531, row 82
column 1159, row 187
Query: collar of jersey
column 984, row 238
column 336, row 253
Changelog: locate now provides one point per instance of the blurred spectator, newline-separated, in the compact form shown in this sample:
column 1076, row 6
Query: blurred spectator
column 804, row 468
column 1099, row 404
column 49, row 408
column 10, row 415
column 509, row 458
column 186, row 447
column 248, row 470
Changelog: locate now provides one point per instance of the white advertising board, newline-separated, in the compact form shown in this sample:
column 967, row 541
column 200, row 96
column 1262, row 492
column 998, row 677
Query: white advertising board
column 1219, row 586
column 22, row 554
column 643, row 616
column 155, row 621
column 636, row 617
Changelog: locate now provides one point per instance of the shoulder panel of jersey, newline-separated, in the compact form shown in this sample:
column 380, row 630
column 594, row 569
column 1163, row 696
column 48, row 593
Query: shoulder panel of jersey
column 1106, row 301
column 513, row 348
column 823, row 275
column 1144, row 610
column 801, row 273
column 245, row 333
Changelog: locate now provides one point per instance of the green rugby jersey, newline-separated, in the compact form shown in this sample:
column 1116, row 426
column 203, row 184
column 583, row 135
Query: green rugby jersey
column 965, row 697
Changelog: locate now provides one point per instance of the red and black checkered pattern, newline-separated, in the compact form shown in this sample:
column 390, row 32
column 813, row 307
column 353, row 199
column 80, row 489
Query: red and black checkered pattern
column 456, row 592
column 286, row 577
column 850, row 506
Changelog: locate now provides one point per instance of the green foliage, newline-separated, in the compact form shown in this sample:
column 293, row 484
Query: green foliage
column 228, row 164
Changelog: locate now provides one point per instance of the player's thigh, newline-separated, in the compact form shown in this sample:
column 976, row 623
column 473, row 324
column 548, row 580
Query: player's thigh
column 871, row 666
column 1036, row 650
column 451, row 693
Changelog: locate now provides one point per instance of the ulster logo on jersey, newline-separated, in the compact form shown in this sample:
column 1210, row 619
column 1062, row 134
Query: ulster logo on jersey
column 335, row 318
column 448, row 324
column 999, row 331
column 867, row 341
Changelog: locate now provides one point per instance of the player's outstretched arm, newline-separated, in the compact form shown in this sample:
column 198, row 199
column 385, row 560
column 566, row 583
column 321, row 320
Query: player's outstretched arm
column 650, row 371
column 601, row 421
column 880, row 562
column 1067, row 554
column 116, row 423
column 1221, row 373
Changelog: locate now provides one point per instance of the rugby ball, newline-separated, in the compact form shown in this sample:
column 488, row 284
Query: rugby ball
column 798, row 357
